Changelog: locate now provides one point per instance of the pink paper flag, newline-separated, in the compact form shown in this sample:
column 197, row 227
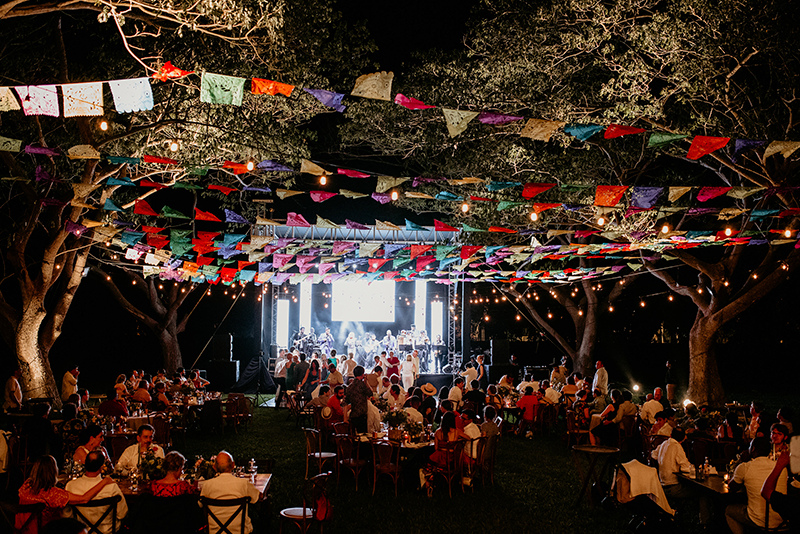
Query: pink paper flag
column 304, row 263
column 280, row 260
column 321, row 196
column 325, row 267
column 707, row 193
column 353, row 174
column 340, row 247
column 410, row 103
column 295, row 219
column 39, row 99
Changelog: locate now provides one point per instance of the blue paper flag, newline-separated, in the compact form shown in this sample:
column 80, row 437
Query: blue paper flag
column 414, row 227
column 447, row 195
column 233, row 217
column 110, row 206
column 273, row 166
column 328, row 98
column 497, row 186
column 582, row 132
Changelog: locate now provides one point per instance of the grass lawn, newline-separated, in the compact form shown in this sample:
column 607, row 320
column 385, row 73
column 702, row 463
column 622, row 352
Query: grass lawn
column 536, row 485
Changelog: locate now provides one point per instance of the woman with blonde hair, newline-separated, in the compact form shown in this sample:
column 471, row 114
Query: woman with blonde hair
column 121, row 387
column 41, row 488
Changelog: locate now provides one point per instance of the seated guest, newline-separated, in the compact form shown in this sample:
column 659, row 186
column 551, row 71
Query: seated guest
column 527, row 380
column 756, row 427
column 384, row 386
column 113, row 406
column 506, row 381
column 132, row 456
column 551, row 396
column 529, row 406
column 335, row 404
column 142, row 394
column 176, row 386
column 626, row 409
column 94, row 465
column 672, row 460
column 456, row 394
column 428, row 406
column 447, row 433
column 489, row 426
column 472, row 431
column 475, row 396
column 730, row 430
column 669, row 423
column 493, row 399
column 335, row 378
column 607, row 432
column 786, row 417
column 752, row 475
column 41, row 488
column 411, row 408
column 83, row 393
column 581, row 409
column 569, row 390
column 160, row 400
column 91, row 439
column 197, row 381
column 70, row 429
column 226, row 486
column 120, row 386
column 598, row 402
column 779, row 437
column 325, row 393
column 172, row 485
column 395, row 396
column 651, row 407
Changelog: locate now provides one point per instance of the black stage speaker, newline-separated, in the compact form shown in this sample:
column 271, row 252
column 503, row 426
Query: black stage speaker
column 222, row 347
column 222, row 375
column 499, row 348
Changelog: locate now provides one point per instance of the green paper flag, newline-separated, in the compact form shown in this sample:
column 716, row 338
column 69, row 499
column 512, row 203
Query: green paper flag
column 221, row 89
column 180, row 248
column 660, row 139
column 166, row 211
column 199, row 171
column 468, row 228
column 505, row 204
column 186, row 185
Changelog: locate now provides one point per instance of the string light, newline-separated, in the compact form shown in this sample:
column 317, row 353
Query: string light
column 464, row 207
column 534, row 216
column 160, row 286
column 787, row 233
column 58, row 266
column 601, row 220
column 580, row 312
column 611, row 308
column 665, row 229
column 104, row 125
column 251, row 165
column 641, row 303
column 108, row 278
column 784, row 266
column 174, row 146
column 133, row 283
column 755, row 276
column 208, row 292
column 486, row 318
column 725, row 283
column 699, row 289
column 549, row 315
column 394, row 195
column 519, row 318
column 323, row 180
column 728, row 231
column 670, row 298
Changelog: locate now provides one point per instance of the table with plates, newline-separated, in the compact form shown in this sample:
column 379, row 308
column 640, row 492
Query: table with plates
column 714, row 483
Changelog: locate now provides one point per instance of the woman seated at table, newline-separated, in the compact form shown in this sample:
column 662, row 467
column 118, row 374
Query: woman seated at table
column 607, row 432
column 569, row 390
column 121, row 387
column 444, row 437
column 581, row 409
column 71, row 428
column 199, row 383
column 41, row 488
column 172, row 485
column 160, row 401
column 493, row 399
column 90, row 439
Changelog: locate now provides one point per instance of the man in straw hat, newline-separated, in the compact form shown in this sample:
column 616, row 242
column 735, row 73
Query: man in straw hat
column 428, row 407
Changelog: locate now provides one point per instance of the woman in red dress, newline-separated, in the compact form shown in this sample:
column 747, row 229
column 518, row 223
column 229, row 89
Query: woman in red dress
column 172, row 485
column 41, row 488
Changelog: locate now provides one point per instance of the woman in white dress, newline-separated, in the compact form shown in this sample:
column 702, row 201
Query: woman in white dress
column 409, row 371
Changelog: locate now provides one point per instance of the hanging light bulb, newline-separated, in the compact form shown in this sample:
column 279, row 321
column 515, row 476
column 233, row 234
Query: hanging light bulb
column 728, row 231
column 665, row 229
column 174, row 146
column 549, row 315
column 580, row 312
column 641, row 303
column 670, row 298
column 486, row 318
column 725, row 283
column 251, row 165
column 323, row 180
column 611, row 308
column 394, row 195
column 519, row 318
column 534, row 216
column 787, row 233
column 601, row 220
column 103, row 125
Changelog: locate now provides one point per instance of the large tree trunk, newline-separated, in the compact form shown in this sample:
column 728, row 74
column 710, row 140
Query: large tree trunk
column 37, row 376
column 705, row 384
column 170, row 348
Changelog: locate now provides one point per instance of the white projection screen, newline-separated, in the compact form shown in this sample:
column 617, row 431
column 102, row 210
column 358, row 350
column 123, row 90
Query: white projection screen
column 360, row 302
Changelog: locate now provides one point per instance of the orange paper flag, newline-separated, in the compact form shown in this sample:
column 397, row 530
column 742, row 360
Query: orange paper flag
column 268, row 87
column 702, row 145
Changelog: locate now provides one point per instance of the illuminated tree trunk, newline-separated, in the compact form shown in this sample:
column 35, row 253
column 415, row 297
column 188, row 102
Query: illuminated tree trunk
column 705, row 384
column 37, row 376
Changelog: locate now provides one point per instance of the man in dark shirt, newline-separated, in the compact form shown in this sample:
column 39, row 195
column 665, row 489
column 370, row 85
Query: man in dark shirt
column 112, row 406
column 428, row 407
column 475, row 396
column 358, row 393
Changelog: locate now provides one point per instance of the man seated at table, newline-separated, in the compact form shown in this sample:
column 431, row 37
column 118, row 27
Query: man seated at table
column 551, row 396
column 475, row 396
column 490, row 426
column 373, row 379
column 472, row 430
column 227, row 486
column 142, row 394
column 113, row 406
column 321, row 400
column 672, row 460
column 652, row 407
column 335, row 404
column 411, row 407
column 751, row 475
column 335, row 378
column 456, row 394
column 131, row 457
column 94, row 465
column 395, row 396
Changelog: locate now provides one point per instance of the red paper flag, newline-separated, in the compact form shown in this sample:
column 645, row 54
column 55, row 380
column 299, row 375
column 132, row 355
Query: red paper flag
column 204, row 249
column 501, row 229
column 467, row 251
column 389, row 275
column 483, row 199
column 618, row 130
column 148, row 183
column 423, row 261
column 201, row 215
column 702, row 145
column 376, row 264
column 259, row 86
column 439, row 226
column 204, row 260
column 609, row 195
column 539, row 208
column 222, row 188
column 418, row 250
column 532, row 189
column 295, row 219
column 157, row 241
column 150, row 229
column 707, row 193
column 156, row 159
column 237, row 168
column 207, row 236
column 353, row 174
column 243, row 264
column 143, row 208
column 170, row 72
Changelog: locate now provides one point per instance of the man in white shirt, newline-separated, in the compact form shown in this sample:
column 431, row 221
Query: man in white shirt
column 227, row 486
column 472, row 430
column 751, row 475
column 600, row 378
column 69, row 384
column 457, row 393
column 94, row 464
column 470, row 374
column 412, row 410
column 672, row 460
column 651, row 408
column 349, row 365
column 131, row 457
column 13, row 392
column 396, row 397
column 280, row 375
column 551, row 396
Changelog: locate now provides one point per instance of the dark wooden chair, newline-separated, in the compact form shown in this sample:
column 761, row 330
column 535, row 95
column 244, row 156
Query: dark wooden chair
column 450, row 466
column 225, row 525
column 30, row 516
column 110, row 505
column 385, row 461
column 314, row 450
column 575, row 433
column 348, row 457
column 314, row 492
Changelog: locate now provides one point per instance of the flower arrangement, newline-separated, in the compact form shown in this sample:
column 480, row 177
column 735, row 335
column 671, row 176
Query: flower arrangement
column 394, row 418
column 414, row 430
column 151, row 466
column 202, row 468
column 381, row 404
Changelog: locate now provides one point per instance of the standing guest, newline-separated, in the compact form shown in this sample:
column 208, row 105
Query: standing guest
column 291, row 371
column 669, row 380
column 409, row 371
column 301, row 372
column 482, row 380
column 280, row 376
column 41, row 488
column 393, row 363
column 312, row 378
column 121, row 387
column 457, row 393
column 132, row 456
column 172, row 485
column 142, row 394
column 13, row 393
column 469, row 374
column 415, row 360
column 785, row 417
column 358, row 393
column 600, row 378
column 112, row 406
column 69, row 384
column 227, row 486
column 752, row 475
column 94, row 465
column 528, row 405
column 349, row 365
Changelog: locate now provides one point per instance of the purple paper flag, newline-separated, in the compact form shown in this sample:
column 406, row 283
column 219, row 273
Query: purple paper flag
column 280, row 278
column 645, row 197
column 742, row 145
column 74, row 228
column 52, row 202
column 701, row 211
column 233, row 217
column 258, row 189
column 352, row 225
column 282, row 242
column 383, row 198
column 295, row 219
column 340, row 247
column 263, row 266
column 273, row 166
column 44, row 151
column 496, row 118
column 420, row 180
column 328, row 98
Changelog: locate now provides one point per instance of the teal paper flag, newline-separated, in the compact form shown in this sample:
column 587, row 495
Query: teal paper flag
column 117, row 160
column 582, row 132
column 110, row 206
column 166, row 211
column 660, row 139
column 221, row 89
column 497, row 186
column 468, row 228
column 447, row 195
column 414, row 227
column 506, row 204
column 122, row 180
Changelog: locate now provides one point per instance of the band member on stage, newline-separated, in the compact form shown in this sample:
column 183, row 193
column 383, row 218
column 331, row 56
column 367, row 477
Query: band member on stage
column 393, row 365
column 350, row 343
column 298, row 337
column 389, row 342
column 326, row 342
